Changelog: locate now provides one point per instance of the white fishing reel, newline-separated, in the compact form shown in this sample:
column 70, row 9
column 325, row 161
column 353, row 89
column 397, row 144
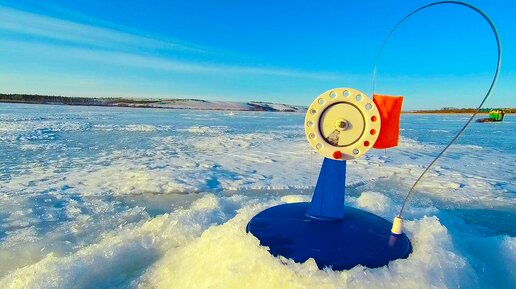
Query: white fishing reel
column 342, row 124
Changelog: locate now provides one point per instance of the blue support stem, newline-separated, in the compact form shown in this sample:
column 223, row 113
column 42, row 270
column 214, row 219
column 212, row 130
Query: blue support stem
column 328, row 199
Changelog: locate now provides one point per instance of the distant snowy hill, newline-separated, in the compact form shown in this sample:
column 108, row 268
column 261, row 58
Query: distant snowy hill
column 214, row 105
column 154, row 103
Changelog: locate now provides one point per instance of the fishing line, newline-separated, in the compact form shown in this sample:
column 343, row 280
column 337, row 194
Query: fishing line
column 488, row 93
column 311, row 168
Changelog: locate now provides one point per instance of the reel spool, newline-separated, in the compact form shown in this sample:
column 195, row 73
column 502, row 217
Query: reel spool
column 342, row 124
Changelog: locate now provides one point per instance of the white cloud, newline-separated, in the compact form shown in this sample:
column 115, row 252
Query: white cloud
column 63, row 30
column 116, row 47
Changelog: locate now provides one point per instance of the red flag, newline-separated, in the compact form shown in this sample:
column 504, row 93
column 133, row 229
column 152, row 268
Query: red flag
column 390, row 110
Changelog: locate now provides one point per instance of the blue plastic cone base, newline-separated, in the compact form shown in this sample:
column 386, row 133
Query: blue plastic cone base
column 360, row 238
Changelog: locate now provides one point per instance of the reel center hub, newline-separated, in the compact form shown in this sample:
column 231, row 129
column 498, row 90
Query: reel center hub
column 342, row 124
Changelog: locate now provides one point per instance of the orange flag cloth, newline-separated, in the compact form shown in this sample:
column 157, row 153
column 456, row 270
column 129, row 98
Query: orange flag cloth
column 390, row 110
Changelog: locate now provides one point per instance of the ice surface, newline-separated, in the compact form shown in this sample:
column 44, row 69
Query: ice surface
column 95, row 197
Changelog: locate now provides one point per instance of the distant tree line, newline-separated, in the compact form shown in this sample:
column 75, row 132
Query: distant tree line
column 131, row 102
column 53, row 99
column 465, row 110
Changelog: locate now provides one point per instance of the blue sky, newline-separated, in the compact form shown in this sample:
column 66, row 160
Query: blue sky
column 278, row 51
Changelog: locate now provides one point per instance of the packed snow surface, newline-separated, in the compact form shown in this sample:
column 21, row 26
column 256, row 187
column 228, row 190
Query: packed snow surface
column 100, row 197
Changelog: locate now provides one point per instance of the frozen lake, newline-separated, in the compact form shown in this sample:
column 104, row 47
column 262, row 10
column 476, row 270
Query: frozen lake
column 98, row 197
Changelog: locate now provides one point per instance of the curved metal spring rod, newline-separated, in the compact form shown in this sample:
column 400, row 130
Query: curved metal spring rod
column 488, row 93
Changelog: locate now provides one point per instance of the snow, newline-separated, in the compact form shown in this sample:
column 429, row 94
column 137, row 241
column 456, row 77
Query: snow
column 144, row 198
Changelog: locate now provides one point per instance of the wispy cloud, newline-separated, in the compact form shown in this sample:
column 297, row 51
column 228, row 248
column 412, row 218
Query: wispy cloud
column 64, row 39
column 142, row 61
column 30, row 24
